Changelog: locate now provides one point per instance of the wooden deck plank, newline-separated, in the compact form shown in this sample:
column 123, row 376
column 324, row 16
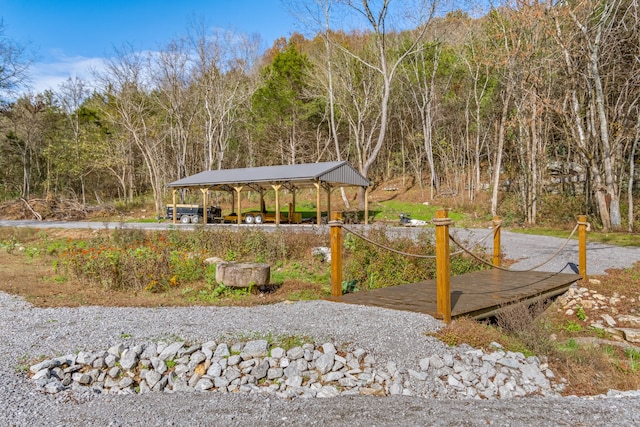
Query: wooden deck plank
column 479, row 294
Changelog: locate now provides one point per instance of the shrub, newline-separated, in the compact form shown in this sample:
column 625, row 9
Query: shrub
column 373, row 266
column 132, row 259
column 156, row 261
column 524, row 321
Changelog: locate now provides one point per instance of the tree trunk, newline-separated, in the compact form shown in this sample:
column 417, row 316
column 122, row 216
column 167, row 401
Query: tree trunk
column 502, row 127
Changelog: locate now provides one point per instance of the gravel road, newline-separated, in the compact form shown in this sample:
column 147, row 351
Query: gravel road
column 530, row 251
column 29, row 332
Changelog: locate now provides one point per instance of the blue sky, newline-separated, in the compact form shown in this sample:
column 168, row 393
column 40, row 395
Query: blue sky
column 67, row 37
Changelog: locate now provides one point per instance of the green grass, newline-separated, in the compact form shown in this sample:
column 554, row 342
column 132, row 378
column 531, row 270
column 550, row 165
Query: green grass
column 572, row 326
column 570, row 346
column 298, row 271
column 390, row 209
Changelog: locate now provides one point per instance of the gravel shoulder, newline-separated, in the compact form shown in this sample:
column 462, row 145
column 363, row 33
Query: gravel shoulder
column 28, row 333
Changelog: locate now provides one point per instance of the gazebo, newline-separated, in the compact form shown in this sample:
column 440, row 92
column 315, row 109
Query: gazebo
column 323, row 176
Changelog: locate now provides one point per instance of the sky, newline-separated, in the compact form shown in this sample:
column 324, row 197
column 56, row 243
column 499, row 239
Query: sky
column 68, row 37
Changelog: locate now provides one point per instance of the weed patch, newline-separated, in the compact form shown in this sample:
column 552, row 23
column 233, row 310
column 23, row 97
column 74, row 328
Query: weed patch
column 373, row 266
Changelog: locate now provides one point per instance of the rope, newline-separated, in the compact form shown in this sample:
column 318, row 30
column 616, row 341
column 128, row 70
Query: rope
column 521, row 271
column 468, row 251
column 490, row 233
column 587, row 224
column 366, row 239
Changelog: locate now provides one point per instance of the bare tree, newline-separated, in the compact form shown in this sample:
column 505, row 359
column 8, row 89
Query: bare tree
column 14, row 63
column 598, row 44
column 225, row 64
column 382, row 60
column 421, row 71
column 25, row 133
column 173, row 76
column 479, row 75
column 126, row 85
column 71, row 94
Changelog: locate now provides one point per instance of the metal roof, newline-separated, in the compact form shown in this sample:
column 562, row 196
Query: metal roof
column 332, row 173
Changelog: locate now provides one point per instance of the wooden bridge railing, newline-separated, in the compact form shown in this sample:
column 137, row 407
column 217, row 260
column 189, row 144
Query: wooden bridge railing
column 443, row 257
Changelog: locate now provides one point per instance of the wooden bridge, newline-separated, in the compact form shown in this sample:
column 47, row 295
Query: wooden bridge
column 478, row 295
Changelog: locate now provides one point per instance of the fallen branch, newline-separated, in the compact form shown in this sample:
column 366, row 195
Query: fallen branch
column 36, row 214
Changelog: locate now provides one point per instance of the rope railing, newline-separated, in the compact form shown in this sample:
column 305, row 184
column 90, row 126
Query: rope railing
column 548, row 260
column 399, row 252
column 390, row 249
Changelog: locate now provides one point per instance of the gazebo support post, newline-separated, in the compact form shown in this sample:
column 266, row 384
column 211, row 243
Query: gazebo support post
column 366, row 206
column 238, row 212
column 318, row 210
column 175, row 208
column 328, row 203
column 204, row 204
column 277, row 190
column 293, row 204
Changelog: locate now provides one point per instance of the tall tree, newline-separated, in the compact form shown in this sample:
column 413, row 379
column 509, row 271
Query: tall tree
column 599, row 52
column 281, row 104
column 26, row 128
column 129, row 108
column 71, row 95
column 175, row 95
column 14, row 64
column 385, row 60
column 224, row 79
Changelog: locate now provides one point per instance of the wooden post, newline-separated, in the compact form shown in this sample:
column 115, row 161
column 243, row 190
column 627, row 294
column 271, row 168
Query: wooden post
column 233, row 200
column 329, row 204
column 204, row 204
column 443, row 265
column 318, row 210
column 175, row 208
column 582, row 246
column 277, row 190
column 293, row 205
column 336, row 257
column 497, row 225
column 238, row 190
column 366, row 206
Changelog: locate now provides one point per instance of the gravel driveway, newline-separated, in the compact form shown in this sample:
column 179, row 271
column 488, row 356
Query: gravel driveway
column 28, row 333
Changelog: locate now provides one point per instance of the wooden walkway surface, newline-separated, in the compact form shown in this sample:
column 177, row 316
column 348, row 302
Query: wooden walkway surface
column 478, row 295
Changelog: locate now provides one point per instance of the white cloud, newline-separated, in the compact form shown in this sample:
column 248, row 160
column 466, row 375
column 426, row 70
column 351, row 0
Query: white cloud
column 49, row 75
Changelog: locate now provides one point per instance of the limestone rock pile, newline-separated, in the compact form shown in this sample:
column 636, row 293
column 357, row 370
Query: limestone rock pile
column 497, row 375
column 602, row 312
column 302, row 371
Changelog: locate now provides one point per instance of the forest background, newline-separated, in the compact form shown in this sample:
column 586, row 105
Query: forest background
column 532, row 99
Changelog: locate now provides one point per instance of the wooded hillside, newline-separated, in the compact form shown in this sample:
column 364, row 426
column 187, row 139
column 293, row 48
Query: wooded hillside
column 531, row 98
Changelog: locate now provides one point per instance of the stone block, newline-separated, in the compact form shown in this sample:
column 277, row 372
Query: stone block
column 631, row 335
column 243, row 274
